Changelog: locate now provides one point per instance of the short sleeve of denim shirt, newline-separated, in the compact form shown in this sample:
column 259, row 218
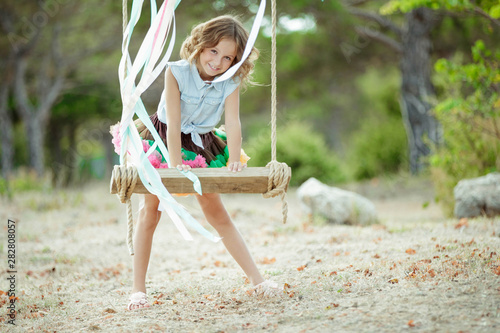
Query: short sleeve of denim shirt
column 230, row 86
column 179, row 71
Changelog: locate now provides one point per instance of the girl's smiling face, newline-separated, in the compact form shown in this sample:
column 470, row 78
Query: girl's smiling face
column 216, row 60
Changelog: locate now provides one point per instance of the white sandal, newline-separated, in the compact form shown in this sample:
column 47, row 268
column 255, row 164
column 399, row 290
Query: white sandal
column 138, row 299
column 267, row 288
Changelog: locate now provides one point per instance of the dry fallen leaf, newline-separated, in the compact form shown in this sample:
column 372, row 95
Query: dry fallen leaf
column 301, row 268
column 463, row 222
column 411, row 251
column 219, row 264
column 268, row 261
column 393, row 281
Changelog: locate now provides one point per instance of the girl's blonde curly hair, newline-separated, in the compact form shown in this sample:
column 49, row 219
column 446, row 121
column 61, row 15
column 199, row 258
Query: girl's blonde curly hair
column 210, row 33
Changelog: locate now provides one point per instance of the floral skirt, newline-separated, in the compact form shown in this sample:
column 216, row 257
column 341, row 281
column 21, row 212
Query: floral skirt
column 213, row 155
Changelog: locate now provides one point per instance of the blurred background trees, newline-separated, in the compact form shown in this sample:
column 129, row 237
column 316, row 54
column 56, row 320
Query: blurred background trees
column 366, row 88
column 45, row 46
column 468, row 100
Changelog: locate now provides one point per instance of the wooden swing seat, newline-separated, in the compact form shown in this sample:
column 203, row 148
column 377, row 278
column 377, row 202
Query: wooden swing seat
column 213, row 180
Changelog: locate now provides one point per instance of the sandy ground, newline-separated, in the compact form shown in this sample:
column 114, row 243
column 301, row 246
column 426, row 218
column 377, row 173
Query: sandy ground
column 413, row 271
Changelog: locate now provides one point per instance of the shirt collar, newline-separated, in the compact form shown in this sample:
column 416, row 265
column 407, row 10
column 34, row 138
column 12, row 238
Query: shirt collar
column 200, row 84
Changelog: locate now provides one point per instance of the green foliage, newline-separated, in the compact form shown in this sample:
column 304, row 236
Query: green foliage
column 22, row 181
column 302, row 148
column 490, row 7
column 379, row 145
column 21, row 155
column 469, row 110
column 469, row 103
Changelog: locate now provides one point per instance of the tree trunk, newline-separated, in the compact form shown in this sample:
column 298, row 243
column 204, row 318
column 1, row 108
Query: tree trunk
column 35, row 117
column 6, row 132
column 54, row 149
column 6, row 125
column 35, row 132
column 417, row 88
column 71, row 155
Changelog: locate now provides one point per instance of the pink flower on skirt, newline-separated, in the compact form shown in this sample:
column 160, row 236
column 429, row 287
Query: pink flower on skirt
column 155, row 159
column 145, row 145
column 198, row 162
column 117, row 140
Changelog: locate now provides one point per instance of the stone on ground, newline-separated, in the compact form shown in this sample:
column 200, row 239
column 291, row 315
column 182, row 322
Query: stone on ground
column 478, row 196
column 336, row 205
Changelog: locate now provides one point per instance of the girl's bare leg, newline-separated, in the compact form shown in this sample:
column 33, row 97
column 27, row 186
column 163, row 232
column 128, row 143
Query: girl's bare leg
column 217, row 216
column 148, row 219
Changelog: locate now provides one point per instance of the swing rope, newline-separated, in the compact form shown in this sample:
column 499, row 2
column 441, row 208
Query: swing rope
column 279, row 173
column 125, row 175
column 126, row 178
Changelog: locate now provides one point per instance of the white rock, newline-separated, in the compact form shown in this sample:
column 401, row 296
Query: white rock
column 478, row 196
column 336, row 205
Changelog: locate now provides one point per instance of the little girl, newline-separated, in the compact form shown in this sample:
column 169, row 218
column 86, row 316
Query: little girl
column 194, row 106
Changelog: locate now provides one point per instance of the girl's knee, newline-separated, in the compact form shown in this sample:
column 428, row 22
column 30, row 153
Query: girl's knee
column 149, row 215
column 209, row 200
column 214, row 211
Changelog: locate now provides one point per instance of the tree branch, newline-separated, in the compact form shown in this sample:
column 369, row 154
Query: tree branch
column 22, row 100
column 54, row 87
column 482, row 13
column 42, row 79
column 380, row 37
column 385, row 23
column 106, row 45
column 4, row 90
column 355, row 3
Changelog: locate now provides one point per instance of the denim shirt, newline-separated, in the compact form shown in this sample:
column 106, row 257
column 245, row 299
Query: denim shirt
column 202, row 102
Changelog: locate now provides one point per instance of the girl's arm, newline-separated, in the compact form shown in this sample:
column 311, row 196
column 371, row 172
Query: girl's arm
column 233, row 130
column 173, row 101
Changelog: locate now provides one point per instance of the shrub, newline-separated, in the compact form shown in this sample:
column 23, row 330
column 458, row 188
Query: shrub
column 379, row 144
column 379, row 147
column 469, row 111
column 23, row 180
column 302, row 148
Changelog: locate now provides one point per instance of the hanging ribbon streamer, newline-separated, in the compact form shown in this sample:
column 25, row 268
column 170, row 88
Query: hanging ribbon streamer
column 250, row 43
column 148, row 55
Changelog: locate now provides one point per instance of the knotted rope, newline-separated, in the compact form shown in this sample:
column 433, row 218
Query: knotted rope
column 279, row 177
column 279, row 173
column 125, row 178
